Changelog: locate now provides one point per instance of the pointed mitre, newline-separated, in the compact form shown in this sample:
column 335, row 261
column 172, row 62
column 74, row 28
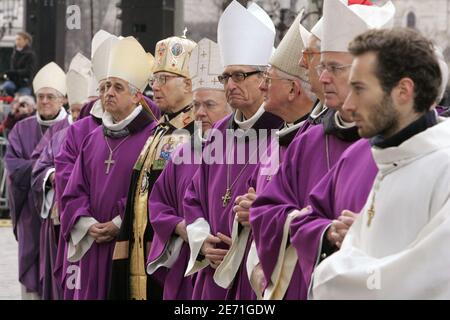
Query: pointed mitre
column 172, row 55
column 81, row 64
column 245, row 36
column 50, row 76
column 342, row 23
column 129, row 61
column 77, row 87
column 92, row 86
column 100, row 61
column 98, row 39
column 289, row 50
column 304, row 33
column 205, row 66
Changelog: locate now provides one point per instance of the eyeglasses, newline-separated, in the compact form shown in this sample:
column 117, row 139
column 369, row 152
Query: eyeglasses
column 161, row 79
column 236, row 76
column 268, row 79
column 335, row 70
column 50, row 97
column 307, row 56
column 22, row 105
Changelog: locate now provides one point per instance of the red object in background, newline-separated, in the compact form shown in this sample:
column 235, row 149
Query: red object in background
column 7, row 99
column 363, row 2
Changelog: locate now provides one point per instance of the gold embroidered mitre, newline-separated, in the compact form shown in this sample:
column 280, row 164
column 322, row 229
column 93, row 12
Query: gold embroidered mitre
column 172, row 55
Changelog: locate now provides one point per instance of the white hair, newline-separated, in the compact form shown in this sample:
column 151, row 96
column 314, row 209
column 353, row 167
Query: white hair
column 29, row 100
column 444, row 73
column 304, row 84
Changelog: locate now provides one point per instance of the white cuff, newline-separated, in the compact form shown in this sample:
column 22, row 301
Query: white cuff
column 226, row 271
column 284, row 268
column 117, row 221
column 198, row 232
column 252, row 262
column 47, row 197
column 80, row 241
column 168, row 257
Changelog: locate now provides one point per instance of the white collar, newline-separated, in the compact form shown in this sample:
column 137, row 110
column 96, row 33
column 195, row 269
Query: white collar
column 288, row 129
column 70, row 119
column 108, row 121
column 428, row 141
column 318, row 110
column 97, row 109
column 48, row 123
column 247, row 124
column 341, row 123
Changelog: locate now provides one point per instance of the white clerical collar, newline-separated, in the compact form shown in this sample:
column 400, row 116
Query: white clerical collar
column 97, row 109
column 48, row 123
column 340, row 123
column 70, row 119
column 247, row 124
column 288, row 128
column 108, row 120
column 318, row 110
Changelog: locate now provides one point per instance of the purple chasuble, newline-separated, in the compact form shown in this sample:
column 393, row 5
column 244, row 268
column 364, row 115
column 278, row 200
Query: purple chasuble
column 49, row 231
column 23, row 140
column 204, row 200
column 64, row 164
column 166, row 212
column 310, row 156
column 91, row 192
column 345, row 187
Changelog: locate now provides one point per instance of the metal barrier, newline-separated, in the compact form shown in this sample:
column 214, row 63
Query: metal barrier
column 4, row 208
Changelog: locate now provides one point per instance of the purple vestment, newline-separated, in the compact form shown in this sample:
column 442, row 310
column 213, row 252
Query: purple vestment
column 64, row 163
column 166, row 212
column 23, row 140
column 91, row 192
column 204, row 200
column 309, row 157
column 49, row 232
column 345, row 187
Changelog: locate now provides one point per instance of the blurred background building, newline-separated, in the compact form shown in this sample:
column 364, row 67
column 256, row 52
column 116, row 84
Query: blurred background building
column 152, row 20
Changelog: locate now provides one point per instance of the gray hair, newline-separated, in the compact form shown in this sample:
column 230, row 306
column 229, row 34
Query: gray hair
column 133, row 89
column 304, row 84
column 29, row 100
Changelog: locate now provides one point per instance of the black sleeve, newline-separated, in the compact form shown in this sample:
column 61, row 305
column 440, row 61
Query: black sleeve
column 327, row 248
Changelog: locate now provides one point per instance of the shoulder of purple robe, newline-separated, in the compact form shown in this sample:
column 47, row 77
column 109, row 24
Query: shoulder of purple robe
column 196, row 196
column 287, row 191
column 86, row 109
column 43, row 164
column 69, row 151
column 75, row 197
column 22, row 141
column 327, row 200
column 46, row 162
column 49, row 133
column 164, row 211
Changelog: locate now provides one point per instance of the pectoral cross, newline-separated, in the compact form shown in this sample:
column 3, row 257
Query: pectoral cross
column 226, row 198
column 109, row 162
column 371, row 214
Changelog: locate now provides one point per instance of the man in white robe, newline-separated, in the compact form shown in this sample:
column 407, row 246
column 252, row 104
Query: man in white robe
column 397, row 246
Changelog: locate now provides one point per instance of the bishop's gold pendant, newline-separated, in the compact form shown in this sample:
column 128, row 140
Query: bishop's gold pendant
column 371, row 214
column 226, row 197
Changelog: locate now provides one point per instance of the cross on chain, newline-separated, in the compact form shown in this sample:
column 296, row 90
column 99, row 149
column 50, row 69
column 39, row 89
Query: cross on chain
column 109, row 162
